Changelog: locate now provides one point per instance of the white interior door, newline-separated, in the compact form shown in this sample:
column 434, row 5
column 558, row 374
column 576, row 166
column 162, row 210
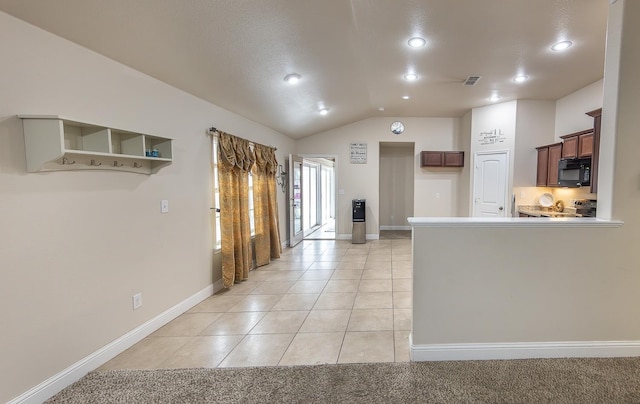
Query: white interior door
column 490, row 185
column 296, row 233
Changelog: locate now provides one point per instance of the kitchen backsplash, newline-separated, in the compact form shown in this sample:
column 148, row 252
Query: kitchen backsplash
column 531, row 195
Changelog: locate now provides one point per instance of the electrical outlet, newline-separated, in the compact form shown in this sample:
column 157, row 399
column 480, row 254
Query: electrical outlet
column 164, row 206
column 137, row 301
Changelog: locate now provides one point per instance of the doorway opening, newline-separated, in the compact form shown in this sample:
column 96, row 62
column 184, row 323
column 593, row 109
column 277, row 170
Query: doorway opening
column 397, row 166
column 318, row 198
column 312, row 198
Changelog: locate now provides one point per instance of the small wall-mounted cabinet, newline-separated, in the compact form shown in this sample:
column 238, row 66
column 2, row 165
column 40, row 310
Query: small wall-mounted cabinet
column 577, row 145
column 53, row 143
column 442, row 159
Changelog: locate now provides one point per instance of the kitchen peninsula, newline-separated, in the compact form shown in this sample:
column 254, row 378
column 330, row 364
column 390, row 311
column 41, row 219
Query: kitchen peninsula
column 502, row 298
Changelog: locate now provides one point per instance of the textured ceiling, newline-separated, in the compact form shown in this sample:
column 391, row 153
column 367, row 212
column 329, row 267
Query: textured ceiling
column 351, row 54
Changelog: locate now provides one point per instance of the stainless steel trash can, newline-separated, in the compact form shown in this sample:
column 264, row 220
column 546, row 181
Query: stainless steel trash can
column 358, row 231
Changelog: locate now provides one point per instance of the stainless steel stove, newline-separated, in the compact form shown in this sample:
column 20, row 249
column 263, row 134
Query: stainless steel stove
column 586, row 207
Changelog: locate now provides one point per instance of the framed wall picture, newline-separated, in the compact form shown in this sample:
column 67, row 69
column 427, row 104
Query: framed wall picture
column 358, row 153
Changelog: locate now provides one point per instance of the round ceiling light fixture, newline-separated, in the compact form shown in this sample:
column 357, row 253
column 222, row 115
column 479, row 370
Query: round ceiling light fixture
column 292, row 78
column 324, row 111
column 494, row 98
column 560, row 46
column 411, row 77
column 521, row 78
column 417, row 42
column 405, row 97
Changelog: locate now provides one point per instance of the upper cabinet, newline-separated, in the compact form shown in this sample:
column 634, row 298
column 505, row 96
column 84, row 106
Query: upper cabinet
column 578, row 145
column 583, row 144
column 442, row 159
column 548, row 157
column 53, row 143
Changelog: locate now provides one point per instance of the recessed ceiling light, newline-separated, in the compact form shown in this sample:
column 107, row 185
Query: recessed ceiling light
column 405, row 97
column 521, row 79
column 417, row 42
column 380, row 109
column 560, row 46
column 292, row 78
column 324, row 111
column 494, row 98
column 411, row 77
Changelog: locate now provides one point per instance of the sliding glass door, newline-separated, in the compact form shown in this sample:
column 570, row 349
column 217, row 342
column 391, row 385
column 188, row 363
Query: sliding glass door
column 296, row 209
column 310, row 196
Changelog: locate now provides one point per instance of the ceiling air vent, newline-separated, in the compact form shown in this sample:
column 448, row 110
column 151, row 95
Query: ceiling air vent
column 471, row 80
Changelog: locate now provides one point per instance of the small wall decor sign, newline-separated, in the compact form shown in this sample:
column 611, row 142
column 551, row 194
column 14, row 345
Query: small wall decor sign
column 492, row 137
column 358, row 152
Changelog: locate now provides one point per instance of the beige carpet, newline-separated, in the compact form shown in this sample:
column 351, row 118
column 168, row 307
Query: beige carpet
column 516, row 381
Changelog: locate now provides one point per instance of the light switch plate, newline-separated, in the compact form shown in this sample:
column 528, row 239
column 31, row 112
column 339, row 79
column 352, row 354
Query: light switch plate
column 137, row 301
column 164, row 206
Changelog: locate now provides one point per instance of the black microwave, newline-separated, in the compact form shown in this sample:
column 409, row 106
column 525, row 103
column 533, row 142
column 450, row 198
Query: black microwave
column 574, row 172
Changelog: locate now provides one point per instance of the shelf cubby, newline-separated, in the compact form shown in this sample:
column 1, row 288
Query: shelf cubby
column 131, row 144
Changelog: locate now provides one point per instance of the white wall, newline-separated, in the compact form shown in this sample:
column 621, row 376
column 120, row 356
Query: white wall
column 499, row 119
column 525, row 124
column 75, row 246
column 434, row 189
column 521, row 285
column 571, row 110
column 464, row 183
column 396, row 185
column 534, row 127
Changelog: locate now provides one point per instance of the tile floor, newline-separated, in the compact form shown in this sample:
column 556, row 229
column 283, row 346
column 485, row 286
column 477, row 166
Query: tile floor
column 325, row 232
column 323, row 301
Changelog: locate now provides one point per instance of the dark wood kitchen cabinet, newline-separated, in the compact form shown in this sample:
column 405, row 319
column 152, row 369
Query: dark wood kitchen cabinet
column 548, row 157
column 442, row 159
column 543, row 166
column 583, row 144
column 595, row 154
column 578, row 145
column 555, row 154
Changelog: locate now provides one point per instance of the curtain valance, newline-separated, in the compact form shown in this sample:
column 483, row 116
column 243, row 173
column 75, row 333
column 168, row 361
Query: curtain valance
column 235, row 152
column 265, row 158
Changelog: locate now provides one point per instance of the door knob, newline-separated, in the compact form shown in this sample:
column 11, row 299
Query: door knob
column 501, row 208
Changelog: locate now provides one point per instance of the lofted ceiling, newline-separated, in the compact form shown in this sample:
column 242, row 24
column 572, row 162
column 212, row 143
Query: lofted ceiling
column 352, row 54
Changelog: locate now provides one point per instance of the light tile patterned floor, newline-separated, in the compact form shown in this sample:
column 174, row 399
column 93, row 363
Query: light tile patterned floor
column 324, row 301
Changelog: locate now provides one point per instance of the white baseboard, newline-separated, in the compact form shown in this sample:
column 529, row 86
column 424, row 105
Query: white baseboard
column 59, row 381
column 368, row 236
column 524, row 350
column 395, row 227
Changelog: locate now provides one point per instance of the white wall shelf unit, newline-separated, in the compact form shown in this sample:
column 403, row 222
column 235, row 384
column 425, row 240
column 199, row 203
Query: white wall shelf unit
column 53, row 143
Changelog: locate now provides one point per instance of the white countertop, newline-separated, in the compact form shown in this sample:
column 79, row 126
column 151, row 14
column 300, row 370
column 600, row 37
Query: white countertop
column 511, row 222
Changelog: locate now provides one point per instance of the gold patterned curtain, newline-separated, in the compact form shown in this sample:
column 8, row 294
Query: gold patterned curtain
column 267, row 239
column 235, row 160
